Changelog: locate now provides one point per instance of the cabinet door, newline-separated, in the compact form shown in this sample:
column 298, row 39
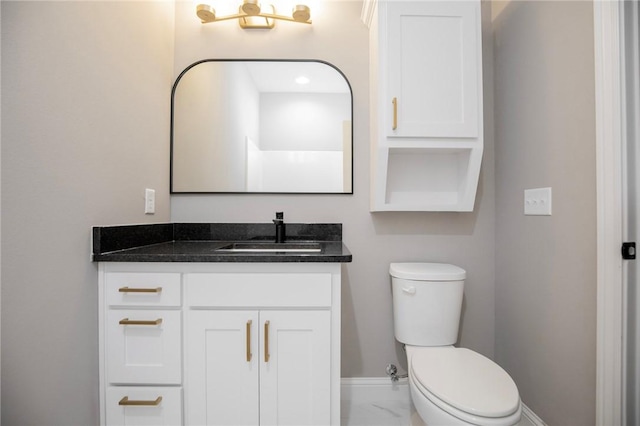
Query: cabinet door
column 143, row 406
column 433, row 66
column 295, row 368
column 222, row 368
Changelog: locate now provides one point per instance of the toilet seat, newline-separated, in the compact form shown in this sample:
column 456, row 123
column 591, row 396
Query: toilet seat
column 465, row 384
column 467, row 418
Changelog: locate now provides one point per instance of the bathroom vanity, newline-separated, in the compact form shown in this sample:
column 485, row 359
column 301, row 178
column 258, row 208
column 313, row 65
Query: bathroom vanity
column 217, row 325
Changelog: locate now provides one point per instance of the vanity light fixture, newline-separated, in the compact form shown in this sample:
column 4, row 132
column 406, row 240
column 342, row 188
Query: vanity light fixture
column 252, row 15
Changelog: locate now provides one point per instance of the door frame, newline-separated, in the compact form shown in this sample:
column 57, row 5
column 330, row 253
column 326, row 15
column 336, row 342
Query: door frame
column 611, row 212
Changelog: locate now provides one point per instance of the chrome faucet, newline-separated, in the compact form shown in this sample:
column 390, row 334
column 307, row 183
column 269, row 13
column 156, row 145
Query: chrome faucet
column 280, row 229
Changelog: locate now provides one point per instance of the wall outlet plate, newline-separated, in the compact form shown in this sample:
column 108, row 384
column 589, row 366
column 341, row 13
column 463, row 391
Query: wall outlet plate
column 537, row 202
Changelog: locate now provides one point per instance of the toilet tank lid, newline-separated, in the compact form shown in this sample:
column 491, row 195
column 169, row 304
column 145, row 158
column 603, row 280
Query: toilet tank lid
column 427, row 271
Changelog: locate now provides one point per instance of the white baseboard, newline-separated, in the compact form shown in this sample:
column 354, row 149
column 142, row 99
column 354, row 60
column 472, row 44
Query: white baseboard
column 362, row 389
column 531, row 417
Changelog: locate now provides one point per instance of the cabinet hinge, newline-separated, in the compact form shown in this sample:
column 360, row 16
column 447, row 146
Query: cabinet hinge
column 629, row 250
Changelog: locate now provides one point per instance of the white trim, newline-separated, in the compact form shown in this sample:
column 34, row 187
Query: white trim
column 609, row 367
column 373, row 389
column 0, row 217
column 371, row 381
column 630, row 52
column 368, row 7
column 363, row 389
column 530, row 417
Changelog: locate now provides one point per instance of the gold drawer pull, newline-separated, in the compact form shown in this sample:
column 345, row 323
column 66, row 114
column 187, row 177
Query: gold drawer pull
column 127, row 321
column 139, row 290
column 249, row 355
column 127, row 401
column 394, row 101
column 266, row 341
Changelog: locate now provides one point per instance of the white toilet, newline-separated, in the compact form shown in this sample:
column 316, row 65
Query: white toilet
column 449, row 386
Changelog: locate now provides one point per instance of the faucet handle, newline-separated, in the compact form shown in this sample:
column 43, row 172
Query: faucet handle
column 280, row 232
column 279, row 220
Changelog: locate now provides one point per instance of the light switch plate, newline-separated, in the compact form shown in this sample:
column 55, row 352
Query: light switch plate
column 149, row 201
column 537, row 202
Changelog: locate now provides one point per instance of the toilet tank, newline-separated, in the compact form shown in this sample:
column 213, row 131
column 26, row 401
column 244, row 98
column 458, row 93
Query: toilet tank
column 427, row 300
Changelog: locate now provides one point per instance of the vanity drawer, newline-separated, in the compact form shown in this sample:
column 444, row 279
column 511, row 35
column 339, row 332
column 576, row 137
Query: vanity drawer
column 143, row 346
column 129, row 405
column 142, row 289
column 259, row 290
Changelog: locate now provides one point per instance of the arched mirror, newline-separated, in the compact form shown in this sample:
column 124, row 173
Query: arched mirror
column 261, row 126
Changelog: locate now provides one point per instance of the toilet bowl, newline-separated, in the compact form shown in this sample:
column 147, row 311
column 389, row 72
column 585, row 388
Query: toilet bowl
column 448, row 385
column 456, row 386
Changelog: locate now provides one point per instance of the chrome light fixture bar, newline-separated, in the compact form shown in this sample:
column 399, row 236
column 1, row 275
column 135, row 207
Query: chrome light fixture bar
column 251, row 15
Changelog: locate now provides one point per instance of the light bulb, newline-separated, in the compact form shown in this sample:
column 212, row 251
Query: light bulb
column 301, row 13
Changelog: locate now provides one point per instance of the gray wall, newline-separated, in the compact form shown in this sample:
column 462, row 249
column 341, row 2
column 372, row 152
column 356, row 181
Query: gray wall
column 546, row 266
column 85, row 122
column 466, row 239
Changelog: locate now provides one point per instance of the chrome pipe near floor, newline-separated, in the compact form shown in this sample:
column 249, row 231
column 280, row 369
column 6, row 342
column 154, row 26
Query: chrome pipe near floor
column 392, row 372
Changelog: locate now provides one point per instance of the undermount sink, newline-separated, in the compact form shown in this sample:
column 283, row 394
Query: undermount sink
column 271, row 247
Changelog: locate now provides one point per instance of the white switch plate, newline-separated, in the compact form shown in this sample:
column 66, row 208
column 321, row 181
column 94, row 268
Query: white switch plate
column 537, row 202
column 149, row 201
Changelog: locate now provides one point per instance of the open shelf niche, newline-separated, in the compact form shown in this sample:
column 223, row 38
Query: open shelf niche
column 427, row 179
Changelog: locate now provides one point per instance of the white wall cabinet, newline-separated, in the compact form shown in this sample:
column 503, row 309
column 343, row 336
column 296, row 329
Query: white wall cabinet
column 220, row 343
column 426, row 87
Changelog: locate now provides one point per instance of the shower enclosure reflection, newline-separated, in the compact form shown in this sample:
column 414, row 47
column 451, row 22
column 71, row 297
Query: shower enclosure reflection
column 261, row 127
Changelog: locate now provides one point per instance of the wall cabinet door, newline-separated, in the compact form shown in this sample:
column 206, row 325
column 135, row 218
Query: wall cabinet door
column 258, row 368
column 433, row 63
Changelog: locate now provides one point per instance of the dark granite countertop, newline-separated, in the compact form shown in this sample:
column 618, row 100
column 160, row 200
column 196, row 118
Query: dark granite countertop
column 199, row 242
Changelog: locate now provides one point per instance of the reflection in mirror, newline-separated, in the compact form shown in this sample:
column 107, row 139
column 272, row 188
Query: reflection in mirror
column 261, row 126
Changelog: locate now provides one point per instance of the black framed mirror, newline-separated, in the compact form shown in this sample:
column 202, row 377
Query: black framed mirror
column 262, row 126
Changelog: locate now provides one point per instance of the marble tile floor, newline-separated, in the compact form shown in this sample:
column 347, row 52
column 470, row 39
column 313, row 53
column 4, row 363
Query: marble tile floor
column 379, row 413
column 386, row 413
column 380, row 402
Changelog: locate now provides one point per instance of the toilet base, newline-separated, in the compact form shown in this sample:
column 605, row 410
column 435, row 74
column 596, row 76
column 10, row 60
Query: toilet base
column 416, row 420
column 429, row 413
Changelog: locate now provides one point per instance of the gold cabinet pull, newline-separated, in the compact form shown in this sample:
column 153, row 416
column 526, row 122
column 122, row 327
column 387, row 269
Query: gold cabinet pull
column 127, row 401
column 249, row 355
column 394, row 101
column 127, row 321
column 266, row 341
column 139, row 290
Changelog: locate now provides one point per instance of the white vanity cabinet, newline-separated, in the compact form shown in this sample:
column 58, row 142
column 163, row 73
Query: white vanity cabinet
column 258, row 367
column 220, row 343
column 141, row 361
column 259, row 348
column 426, row 113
